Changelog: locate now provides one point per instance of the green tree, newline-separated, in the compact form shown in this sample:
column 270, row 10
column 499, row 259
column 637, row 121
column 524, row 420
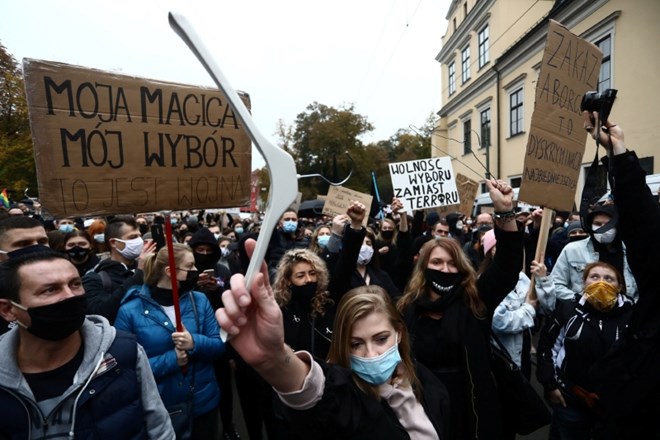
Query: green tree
column 16, row 152
column 319, row 139
column 402, row 146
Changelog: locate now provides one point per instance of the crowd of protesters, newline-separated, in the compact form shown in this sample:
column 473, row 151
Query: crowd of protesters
column 376, row 331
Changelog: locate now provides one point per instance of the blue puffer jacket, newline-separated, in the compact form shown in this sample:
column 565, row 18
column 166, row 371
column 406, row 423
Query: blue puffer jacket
column 141, row 315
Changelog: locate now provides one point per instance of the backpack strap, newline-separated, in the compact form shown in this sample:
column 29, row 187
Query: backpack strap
column 124, row 349
column 105, row 281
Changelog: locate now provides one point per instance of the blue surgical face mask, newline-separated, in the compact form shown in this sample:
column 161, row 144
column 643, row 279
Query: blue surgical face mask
column 238, row 230
column 66, row 228
column 290, row 226
column 377, row 370
column 323, row 240
column 99, row 238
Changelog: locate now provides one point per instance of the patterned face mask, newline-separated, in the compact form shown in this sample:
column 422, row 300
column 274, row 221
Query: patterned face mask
column 601, row 295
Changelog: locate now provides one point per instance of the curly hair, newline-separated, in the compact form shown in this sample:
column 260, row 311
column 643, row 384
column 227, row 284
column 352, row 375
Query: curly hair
column 282, row 284
column 417, row 287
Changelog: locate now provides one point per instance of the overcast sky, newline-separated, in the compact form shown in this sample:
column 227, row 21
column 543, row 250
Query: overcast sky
column 376, row 54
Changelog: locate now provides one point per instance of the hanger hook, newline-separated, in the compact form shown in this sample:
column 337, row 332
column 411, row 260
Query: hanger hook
column 350, row 173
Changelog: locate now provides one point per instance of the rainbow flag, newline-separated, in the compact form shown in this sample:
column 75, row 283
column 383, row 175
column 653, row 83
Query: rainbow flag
column 4, row 198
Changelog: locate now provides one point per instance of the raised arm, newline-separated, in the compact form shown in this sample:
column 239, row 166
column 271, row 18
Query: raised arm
column 352, row 238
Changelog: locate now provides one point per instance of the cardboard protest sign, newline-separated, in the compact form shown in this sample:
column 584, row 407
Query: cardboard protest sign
column 339, row 198
column 556, row 142
column 108, row 144
column 425, row 183
column 467, row 192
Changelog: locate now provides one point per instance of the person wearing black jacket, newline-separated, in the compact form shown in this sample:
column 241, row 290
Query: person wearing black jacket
column 357, row 263
column 369, row 388
column 301, row 290
column 448, row 312
column 626, row 379
column 106, row 284
column 579, row 333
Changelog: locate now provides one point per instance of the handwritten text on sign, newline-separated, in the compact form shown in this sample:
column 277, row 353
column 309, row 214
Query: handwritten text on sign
column 339, row 199
column 556, row 142
column 425, row 183
column 109, row 144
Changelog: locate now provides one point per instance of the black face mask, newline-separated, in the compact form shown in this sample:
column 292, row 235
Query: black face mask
column 56, row 321
column 77, row 253
column 387, row 235
column 573, row 238
column 190, row 282
column 206, row 261
column 442, row 283
column 303, row 293
column 143, row 228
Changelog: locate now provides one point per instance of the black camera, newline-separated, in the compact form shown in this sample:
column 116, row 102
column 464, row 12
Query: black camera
column 599, row 102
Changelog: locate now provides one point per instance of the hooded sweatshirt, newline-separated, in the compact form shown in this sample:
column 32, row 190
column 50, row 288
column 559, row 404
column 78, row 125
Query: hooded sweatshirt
column 204, row 236
column 112, row 395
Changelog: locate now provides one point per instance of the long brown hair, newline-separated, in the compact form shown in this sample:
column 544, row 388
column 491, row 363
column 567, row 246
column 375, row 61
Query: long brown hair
column 282, row 284
column 354, row 305
column 395, row 233
column 417, row 287
column 313, row 243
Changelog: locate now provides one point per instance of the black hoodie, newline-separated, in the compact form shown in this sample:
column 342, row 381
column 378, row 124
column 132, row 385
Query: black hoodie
column 204, row 236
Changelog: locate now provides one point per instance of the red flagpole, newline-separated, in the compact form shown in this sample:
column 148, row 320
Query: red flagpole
column 175, row 284
column 172, row 264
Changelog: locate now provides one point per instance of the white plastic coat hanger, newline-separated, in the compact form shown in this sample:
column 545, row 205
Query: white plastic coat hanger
column 281, row 168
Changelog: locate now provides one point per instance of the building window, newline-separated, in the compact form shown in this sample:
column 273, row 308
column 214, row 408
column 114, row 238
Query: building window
column 467, row 136
column 452, row 78
column 482, row 38
column 465, row 10
column 605, row 76
column 465, row 64
column 516, row 112
column 485, row 128
column 454, row 24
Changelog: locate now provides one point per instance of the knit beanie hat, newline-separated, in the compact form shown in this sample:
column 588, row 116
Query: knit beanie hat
column 572, row 226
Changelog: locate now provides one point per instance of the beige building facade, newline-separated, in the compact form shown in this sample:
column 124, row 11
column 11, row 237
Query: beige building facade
column 491, row 56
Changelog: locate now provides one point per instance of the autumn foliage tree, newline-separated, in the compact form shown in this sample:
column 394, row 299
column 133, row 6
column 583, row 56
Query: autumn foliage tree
column 322, row 135
column 17, row 171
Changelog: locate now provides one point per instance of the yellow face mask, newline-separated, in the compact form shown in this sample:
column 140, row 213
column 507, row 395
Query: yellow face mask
column 601, row 295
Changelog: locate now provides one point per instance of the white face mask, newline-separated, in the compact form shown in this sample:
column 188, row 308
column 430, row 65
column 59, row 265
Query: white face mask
column 132, row 248
column 606, row 237
column 459, row 224
column 366, row 252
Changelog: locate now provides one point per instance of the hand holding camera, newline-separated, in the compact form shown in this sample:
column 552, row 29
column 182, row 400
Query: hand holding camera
column 596, row 109
column 610, row 136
